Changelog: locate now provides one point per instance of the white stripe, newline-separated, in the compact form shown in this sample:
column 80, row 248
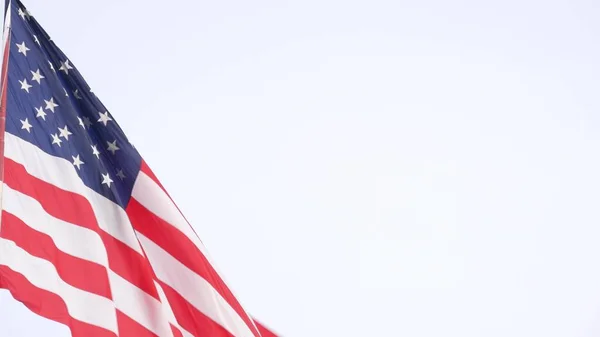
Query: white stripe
column 74, row 240
column 82, row 305
column 7, row 25
column 61, row 173
column 196, row 290
column 141, row 307
column 150, row 195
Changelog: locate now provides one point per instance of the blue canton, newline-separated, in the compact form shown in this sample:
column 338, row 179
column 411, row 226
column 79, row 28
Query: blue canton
column 50, row 105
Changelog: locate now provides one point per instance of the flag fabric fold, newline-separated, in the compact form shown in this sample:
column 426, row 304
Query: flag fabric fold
column 88, row 235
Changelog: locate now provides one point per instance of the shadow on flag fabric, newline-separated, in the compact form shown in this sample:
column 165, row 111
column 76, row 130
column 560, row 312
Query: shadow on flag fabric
column 88, row 235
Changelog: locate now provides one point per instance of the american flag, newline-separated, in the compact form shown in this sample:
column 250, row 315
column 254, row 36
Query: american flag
column 89, row 237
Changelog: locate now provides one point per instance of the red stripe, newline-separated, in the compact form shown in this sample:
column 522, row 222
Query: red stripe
column 75, row 209
column 264, row 331
column 77, row 272
column 129, row 264
column 46, row 304
column 181, row 248
column 130, row 328
column 176, row 331
column 192, row 320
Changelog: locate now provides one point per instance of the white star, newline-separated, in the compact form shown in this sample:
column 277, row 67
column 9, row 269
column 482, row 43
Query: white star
column 66, row 93
column 112, row 147
column 50, row 105
column 26, row 125
column 65, row 133
column 22, row 48
column 76, row 94
column 37, row 76
column 120, row 174
column 22, row 13
column 56, row 140
column 51, row 66
column 40, row 113
column 95, row 151
column 77, row 162
column 104, row 118
column 87, row 122
column 36, row 40
column 65, row 66
column 106, row 180
column 24, row 85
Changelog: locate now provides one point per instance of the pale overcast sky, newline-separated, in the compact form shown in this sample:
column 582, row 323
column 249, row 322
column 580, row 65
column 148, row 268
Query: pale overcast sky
column 365, row 168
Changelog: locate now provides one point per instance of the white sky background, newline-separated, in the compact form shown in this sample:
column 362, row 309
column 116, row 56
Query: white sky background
column 374, row 168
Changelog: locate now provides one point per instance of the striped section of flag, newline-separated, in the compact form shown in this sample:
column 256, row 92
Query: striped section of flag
column 88, row 235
